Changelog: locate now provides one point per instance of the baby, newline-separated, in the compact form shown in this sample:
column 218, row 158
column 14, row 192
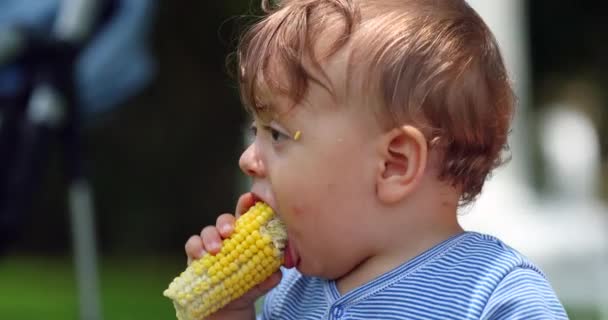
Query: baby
column 374, row 121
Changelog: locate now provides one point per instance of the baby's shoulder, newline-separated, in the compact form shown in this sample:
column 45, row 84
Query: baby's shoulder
column 474, row 266
column 477, row 258
column 485, row 253
column 516, row 286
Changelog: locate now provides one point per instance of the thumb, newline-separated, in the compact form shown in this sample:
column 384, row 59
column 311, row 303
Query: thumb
column 245, row 202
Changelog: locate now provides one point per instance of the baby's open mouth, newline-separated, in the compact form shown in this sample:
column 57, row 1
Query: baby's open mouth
column 290, row 257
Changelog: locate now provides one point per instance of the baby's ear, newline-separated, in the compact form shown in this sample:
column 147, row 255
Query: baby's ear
column 402, row 164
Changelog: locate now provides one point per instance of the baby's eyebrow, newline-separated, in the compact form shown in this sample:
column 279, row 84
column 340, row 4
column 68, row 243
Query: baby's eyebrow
column 264, row 122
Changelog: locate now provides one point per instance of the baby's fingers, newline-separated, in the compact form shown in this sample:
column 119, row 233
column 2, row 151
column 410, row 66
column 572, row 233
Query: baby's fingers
column 194, row 248
column 225, row 224
column 212, row 241
column 245, row 202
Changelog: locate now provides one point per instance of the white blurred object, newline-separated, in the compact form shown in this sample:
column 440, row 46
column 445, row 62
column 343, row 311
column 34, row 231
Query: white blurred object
column 74, row 23
column 75, row 20
column 567, row 222
column 565, row 233
column 46, row 107
column 85, row 249
column 570, row 143
column 571, row 147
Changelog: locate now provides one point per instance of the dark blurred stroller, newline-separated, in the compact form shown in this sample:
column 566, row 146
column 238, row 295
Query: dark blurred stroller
column 59, row 66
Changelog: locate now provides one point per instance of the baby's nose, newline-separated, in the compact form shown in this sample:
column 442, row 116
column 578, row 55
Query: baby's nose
column 251, row 163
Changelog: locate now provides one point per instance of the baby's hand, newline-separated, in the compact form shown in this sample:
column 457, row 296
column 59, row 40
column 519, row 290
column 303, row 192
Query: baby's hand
column 210, row 240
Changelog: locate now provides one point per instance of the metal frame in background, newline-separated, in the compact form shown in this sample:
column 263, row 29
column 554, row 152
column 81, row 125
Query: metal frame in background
column 46, row 108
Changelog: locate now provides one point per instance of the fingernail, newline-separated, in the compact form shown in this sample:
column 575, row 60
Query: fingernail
column 226, row 228
column 214, row 246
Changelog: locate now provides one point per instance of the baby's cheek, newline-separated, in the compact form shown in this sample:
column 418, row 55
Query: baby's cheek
column 304, row 208
column 297, row 210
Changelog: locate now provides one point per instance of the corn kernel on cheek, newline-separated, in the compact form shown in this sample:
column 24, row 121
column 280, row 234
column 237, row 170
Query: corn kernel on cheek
column 251, row 254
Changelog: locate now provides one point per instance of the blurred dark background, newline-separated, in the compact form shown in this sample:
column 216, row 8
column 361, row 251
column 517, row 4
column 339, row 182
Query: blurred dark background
column 165, row 163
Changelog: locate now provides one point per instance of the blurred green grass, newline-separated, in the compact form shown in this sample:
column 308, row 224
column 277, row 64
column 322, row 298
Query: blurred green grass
column 34, row 288
column 45, row 288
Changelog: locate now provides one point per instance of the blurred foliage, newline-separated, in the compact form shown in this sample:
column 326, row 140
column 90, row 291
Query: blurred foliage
column 166, row 163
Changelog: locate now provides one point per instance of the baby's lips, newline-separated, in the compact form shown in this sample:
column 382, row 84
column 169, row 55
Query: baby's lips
column 244, row 203
column 249, row 201
column 255, row 198
column 290, row 259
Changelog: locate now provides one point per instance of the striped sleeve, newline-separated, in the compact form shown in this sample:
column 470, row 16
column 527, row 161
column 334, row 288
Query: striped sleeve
column 266, row 307
column 523, row 294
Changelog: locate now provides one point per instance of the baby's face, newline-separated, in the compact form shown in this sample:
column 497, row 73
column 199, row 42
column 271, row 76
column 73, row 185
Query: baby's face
column 321, row 184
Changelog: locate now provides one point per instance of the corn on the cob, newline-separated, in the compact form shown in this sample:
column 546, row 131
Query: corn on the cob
column 251, row 254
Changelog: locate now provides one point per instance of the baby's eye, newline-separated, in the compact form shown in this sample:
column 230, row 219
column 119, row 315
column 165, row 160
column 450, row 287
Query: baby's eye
column 276, row 135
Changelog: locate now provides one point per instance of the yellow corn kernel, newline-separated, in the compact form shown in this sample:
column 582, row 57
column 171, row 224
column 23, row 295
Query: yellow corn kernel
column 250, row 255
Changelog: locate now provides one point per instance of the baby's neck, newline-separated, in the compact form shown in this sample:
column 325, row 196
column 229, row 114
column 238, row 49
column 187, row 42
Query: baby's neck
column 402, row 241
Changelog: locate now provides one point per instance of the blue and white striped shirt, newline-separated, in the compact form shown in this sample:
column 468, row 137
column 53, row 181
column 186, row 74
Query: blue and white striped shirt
column 469, row 276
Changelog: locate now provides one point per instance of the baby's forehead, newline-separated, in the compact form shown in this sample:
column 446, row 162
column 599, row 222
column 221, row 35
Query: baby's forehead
column 323, row 91
column 271, row 104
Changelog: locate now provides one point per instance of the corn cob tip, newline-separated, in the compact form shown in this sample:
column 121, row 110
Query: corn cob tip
column 251, row 254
